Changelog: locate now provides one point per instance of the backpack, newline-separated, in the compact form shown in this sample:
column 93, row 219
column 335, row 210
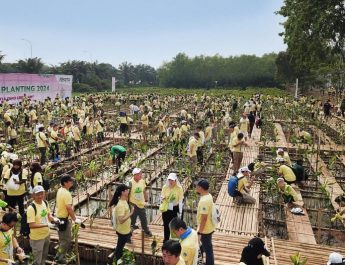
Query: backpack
column 24, row 227
column 10, row 185
column 232, row 186
column 215, row 215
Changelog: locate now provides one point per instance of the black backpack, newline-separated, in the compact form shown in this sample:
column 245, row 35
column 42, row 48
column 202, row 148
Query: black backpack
column 24, row 227
column 45, row 184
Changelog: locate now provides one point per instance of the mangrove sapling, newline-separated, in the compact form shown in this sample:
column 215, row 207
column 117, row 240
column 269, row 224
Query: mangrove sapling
column 297, row 259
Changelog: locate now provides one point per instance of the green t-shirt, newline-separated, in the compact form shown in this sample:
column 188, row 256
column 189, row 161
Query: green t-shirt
column 117, row 149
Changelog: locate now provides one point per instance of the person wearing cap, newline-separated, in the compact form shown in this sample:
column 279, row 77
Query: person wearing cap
column 188, row 240
column 122, row 214
column 54, row 143
column 282, row 154
column 336, row 259
column 15, row 180
column 253, row 253
column 39, row 217
column 171, row 251
column 42, row 144
column 286, row 172
column 137, row 198
column 204, row 219
column 172, row 197
column 289, row 194
column 244, row 186
column 118, row 154
column 8, row 241
column 237, row 146
column 65, row 212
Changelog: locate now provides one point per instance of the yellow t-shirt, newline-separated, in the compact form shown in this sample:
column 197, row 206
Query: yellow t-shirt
column 6, row 245
column 53, row 136
column 89, row 128
column 33, row 115
column 76, row 133
column 173, row 195
column 41, row 139
column 244, row 125
column 192, row 147
column 176, row 135
column 181, row 262
column 122, row 209
column 41, row 217
column 38, row 178
column 7, row 117
column 208, row 133
column 205, row 207
column 22, row 187
column 99, row 127
column 242, row 183
column 161, row 127
column 63, row 198
column 123, row 120
column 145, row 120
column 201, row 140
column 237, row 148
column 137, row 193
column 287, row 173
column 190, row 247
column 288, row 190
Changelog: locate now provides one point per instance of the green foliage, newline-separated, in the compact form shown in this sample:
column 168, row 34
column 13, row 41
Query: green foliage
column 297, row 259
column 30, row 65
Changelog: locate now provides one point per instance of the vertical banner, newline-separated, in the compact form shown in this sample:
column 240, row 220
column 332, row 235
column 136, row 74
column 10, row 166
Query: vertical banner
column 113, row 84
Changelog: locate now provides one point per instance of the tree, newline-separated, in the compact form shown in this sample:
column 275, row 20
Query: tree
column 2, row 56
column 30, row 65
column 314, row 32
column 126, row 72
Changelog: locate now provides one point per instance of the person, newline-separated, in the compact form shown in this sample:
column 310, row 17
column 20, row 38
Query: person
column 15, row 179
column 327, row 108
column 282, row 154
column 8, row 241
column 253, row 253
column 38, row 218
column 286, row 172
column 233, row 132
column 200, row 145
column 36, row 175
column 191, row 149
column 121, row 216
column 118, row 153
column 290, row 196
column 244, row 125
column 244, row 186
column 251, row 118
column 11, row 133
column 76, row 136
column 138, row 197
column 171, row 251
column 171, row 202
column 42, row 144
column 336, row 259
column 64, row 205
column 237, row 145
column 204, row 220
column 299, row 171
column 124, row 120
column 188, row 240
column 54, row 143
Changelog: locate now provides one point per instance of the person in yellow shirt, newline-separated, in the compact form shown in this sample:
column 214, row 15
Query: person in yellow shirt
column 76, row 136
column 184, row 129
column 201, row 143
column 244, row 125
column 8, row 242
column 161, row 129
column 124, row 123
column 54, row 140
column 208, row 134
column 290, row 196
column 204, row 219
column 38, row 218
column 99, row 124
column 285, row 155
column 42, row 143
column 7, row 117
column 65, row 212
column 121, row 218
column 15, row 180
column 237, row 146
column 138, row 197
column 188, row 240
column 286, row 172
column 145, row 123
column 36, row 175
column 244, row 186
column 171, row 198
column 192, row 148
column 171, row 251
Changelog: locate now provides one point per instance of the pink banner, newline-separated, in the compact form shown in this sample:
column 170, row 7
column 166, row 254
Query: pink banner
column 34, row 86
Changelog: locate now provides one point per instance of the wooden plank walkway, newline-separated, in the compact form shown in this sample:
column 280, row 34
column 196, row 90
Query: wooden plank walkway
column 280, row 136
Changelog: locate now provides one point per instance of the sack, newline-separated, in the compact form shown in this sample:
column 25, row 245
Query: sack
column 215, row 215
column 164, row 206
column 232, row 186
column 113, row 219
column 24, row 227
column 11, row 185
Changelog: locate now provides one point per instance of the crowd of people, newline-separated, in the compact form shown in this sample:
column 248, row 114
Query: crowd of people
column 61, row 128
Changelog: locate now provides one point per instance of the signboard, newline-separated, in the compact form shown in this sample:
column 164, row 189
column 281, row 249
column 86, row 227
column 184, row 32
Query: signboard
column 35, row 86
column 113, row 81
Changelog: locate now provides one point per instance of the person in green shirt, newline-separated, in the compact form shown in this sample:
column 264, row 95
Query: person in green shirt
column 118, row 153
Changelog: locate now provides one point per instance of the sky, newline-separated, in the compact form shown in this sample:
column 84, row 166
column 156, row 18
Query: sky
column 137, row 31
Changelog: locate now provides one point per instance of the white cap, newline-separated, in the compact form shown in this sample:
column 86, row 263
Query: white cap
column 280, row 150
column 335, row 258
column 13, row 157
column 183, row 121
column 174, row 123
column 136, row 171
column 281, row 159
column 37, row 189
column 172, row 176
column 244, row 169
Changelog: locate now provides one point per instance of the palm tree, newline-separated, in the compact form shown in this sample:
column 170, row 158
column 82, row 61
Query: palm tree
column 30, row 65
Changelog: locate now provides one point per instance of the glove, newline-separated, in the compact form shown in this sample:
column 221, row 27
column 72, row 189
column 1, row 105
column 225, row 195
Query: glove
column 56, row 220
column 52, row 226
column 77, row 221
